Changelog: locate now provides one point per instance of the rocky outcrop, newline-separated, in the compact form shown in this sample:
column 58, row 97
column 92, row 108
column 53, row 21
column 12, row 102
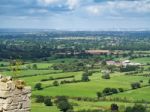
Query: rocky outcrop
column 12, row 98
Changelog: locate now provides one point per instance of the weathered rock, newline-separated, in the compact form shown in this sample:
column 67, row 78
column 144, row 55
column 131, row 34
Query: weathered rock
column 13, row 99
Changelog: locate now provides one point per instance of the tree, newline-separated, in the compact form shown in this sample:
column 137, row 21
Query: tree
column 106, row 75
column 128, row 109
column 103, row 63
column 38, row 86
column 28, row 66
column 63, row 104
column 55, row 83
column 114, row 107
column 47, row 101
column 138, row 108
column 128, row 68
column 34, row 66
column 114, row 90
column 99, row 94
column 39, row 99
column 1, row 65
column 135, row 85
column 149, row 81
column 107, row 91
column 120, row 89
column 85, row 78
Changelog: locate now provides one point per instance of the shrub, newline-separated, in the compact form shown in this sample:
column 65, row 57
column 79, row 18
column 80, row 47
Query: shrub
column 121, row 89
column 47, row 101
column 106, row 75
column 63, row 104
column 38, row 86
column 128, row 68
column 136, row 108
column 109, row 91
column 135, row 85
column 1, row 65
column 114, row 107
column 39, row 99
column 34, row 66
column 114, row 90
column 99, row 94
column 85, row 78
column 55, row 83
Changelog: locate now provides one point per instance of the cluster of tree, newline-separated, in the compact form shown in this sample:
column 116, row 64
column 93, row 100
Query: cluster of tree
column 56, row 83
column 18, row 45
column 128, row 68
column 70, row 67
column 69, row 81
column 136, row 108
column 63, row 104
column 52, row 78
column 132, row 73
column 44, row 99
column 109, row 91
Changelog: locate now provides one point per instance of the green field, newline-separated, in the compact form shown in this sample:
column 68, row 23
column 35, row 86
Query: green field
column 144, row 60
column 82, row 89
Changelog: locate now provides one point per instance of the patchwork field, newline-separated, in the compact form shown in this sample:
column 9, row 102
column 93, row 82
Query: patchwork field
column 81, row 89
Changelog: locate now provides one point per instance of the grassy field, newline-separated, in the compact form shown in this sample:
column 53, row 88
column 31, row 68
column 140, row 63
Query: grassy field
column 135, row 95
column 81, row 89
column 144, row 60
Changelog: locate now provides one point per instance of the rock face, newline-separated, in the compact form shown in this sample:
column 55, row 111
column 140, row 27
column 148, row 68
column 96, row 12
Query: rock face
column 13, row 99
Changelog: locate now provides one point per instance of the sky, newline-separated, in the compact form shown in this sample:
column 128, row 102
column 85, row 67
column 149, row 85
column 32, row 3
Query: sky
column 75, row 14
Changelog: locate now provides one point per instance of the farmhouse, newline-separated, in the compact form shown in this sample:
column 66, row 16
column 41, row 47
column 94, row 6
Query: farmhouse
column 127, row 62
column 115, row 63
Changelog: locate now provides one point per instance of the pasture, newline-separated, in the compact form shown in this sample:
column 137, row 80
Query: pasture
column 80, row 89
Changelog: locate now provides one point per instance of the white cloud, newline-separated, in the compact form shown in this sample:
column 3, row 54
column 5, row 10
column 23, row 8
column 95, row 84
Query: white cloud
column 32, row 11
column 73, row 3
column 116, row 7
column 94, row 9
column 48, row 2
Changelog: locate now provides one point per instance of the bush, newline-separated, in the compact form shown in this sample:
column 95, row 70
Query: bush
column 114, row 107
column 85, row 78
column 55, row 83
column 114, row 90
column 39, row 99
column 99, row 94
column 38, row 86
column 136, row 108
column 63, row 104
column 106, row 75
column 109, row 91
column 128, row 68
column 2, row 65
column 47, row 101
column 135, row 85
column 121, row 89
column 34, row 66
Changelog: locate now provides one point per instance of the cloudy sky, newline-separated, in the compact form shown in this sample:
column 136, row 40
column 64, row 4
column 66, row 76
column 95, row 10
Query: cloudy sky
column 75, row 14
